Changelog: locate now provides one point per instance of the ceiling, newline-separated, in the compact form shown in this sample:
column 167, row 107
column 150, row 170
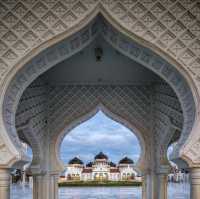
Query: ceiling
column 113, row 68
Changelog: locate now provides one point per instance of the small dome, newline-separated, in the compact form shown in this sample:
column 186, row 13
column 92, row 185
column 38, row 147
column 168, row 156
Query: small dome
column 101, row 156
column 112, row 164
column 89, row 164
column 75, row 161
column 126, row 160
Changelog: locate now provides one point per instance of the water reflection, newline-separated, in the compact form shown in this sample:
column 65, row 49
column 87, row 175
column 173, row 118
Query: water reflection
column 175, row 191
column 179, row 191
column 100, row 193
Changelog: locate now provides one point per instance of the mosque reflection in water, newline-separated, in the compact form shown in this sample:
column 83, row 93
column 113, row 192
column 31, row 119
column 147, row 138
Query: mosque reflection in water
column 175, row 191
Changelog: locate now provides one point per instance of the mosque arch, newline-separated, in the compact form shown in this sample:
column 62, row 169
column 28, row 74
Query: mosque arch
column 63, row 46
column 43, row 61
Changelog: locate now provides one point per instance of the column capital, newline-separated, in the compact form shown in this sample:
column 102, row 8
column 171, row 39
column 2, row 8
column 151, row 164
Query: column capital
column 36, row 171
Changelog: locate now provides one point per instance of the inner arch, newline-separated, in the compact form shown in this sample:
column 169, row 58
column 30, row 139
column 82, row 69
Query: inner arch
column 100, row 133
column 115, row 117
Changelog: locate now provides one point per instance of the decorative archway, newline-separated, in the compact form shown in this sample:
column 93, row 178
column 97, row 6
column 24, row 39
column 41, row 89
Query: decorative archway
column 58, row 52
column 59, row 48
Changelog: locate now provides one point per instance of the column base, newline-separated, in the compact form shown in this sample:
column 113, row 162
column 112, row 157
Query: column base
column 195, row 183
column 154, row 186
column 4, row 183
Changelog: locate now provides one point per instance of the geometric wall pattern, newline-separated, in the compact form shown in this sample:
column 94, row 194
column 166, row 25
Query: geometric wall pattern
column 172, row 25
column 32, row 109
column 77, row 42
column 50, row 109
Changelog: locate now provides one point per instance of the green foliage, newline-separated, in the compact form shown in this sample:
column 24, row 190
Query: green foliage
column 99, row 183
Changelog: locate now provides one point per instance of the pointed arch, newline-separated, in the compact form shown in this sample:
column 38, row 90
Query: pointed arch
column 63, row 46
column 110, row 114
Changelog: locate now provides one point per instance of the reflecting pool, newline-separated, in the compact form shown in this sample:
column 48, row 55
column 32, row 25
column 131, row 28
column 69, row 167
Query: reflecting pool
column 175, row 191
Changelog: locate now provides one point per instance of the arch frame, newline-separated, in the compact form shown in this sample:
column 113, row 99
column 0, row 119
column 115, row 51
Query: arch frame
column 31, row 58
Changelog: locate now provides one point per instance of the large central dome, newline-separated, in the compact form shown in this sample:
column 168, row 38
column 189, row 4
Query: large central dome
column 126, row 160
column 76, row 161
column 101, row 155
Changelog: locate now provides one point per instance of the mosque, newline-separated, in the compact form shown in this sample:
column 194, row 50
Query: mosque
column 101, row 169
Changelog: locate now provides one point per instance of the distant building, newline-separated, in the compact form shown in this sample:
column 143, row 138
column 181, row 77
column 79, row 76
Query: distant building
column 101, row 169
column 178, row 175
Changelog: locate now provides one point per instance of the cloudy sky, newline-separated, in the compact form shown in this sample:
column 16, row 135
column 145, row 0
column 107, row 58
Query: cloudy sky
column 100, row 133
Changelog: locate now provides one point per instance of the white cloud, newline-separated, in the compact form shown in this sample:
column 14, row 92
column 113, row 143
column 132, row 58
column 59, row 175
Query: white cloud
column 100, row 133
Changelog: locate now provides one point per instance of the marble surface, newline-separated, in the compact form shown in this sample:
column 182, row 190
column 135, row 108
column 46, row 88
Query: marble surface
column 175, row 191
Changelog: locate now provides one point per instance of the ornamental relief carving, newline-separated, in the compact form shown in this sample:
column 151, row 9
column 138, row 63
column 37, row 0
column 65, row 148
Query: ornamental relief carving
column 193, row 154
column 132, row 103
column 77, row 42
column 173, row 26
column 5, row 155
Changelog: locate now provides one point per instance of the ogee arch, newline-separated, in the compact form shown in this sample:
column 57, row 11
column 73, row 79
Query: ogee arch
column 115, row 117
column 66, row 48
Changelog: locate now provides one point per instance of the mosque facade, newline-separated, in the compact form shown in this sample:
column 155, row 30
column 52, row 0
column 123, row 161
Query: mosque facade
column 101, row 169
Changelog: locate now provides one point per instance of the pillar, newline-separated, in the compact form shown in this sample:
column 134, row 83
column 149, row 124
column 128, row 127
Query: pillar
column 45, row 186
column 144, row 187
column 162, row 185
column 154, row 185
column 195, row 183
column 54, row 185
column 24, row 177
column 4, row 183
column 37, row 187
column 148, row 185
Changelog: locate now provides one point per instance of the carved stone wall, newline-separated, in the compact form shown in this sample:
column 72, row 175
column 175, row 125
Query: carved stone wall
column 68, row 47
column 32, row 109
column 167, row 104
column 69, row 103
column 5, row 154
column 52, row 110
column 168, row 120
column 171, row 27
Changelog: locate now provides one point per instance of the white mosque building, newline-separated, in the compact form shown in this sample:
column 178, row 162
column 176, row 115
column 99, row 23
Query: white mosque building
column 101, row 169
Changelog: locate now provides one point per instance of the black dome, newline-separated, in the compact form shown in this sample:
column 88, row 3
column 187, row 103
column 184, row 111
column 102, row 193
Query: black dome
column 89, row 164
column 126, row 160
column 75, row 161
column 101, row 156
column 112, row 164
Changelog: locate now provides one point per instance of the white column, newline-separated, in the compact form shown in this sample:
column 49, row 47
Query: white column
column 4, row 183
column 37, row 187
column 162, row 186
column 154, row 185
column 148, row 185
column 195, row 183
column 45, row 187
column 144, row 187
column 24, row 177
column 54, row 186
